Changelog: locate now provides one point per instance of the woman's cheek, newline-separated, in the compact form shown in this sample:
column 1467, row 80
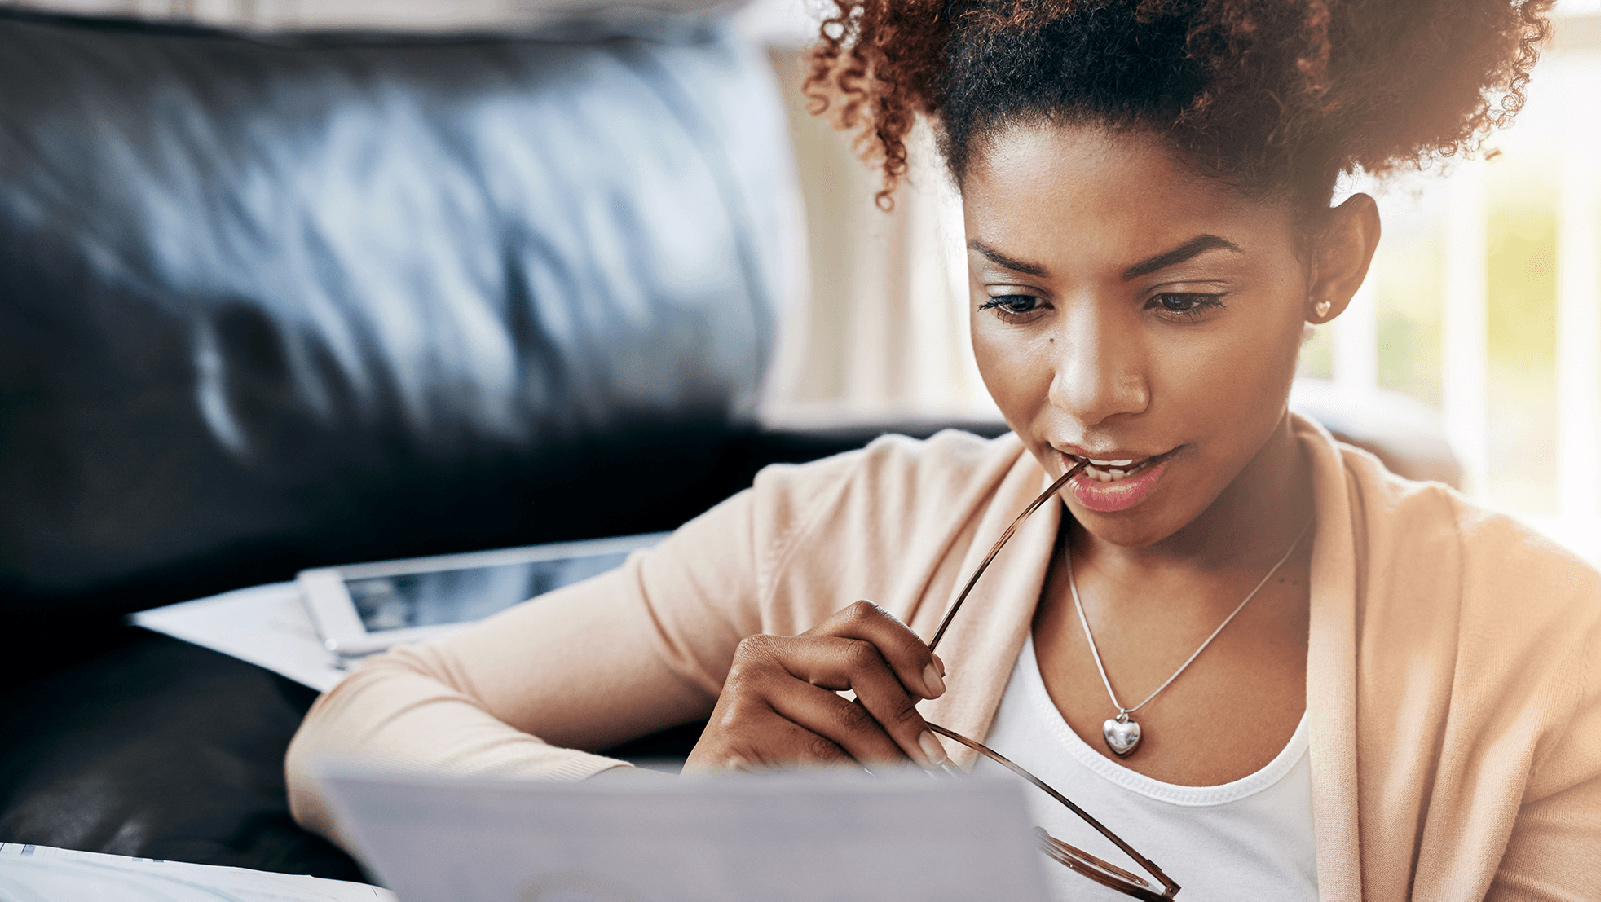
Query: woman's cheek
column 1003, row 363
column 1018, row 375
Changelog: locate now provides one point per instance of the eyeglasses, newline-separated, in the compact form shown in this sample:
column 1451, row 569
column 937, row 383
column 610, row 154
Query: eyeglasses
column 1076, row 859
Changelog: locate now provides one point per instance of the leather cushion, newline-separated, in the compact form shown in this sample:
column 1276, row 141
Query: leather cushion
column 159, row 749
column 272, row 302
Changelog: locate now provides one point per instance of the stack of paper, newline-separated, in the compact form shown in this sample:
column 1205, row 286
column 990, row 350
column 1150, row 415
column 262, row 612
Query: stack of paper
column 265, row 625
column 44, row 874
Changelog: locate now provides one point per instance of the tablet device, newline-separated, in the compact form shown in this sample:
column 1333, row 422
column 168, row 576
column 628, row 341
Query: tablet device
column 366, row 608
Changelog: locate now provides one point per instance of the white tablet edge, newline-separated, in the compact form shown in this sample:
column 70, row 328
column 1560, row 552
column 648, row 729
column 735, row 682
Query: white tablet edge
column 334, row 615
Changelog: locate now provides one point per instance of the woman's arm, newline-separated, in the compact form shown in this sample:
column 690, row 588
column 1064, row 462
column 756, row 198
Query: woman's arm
column 535, row 690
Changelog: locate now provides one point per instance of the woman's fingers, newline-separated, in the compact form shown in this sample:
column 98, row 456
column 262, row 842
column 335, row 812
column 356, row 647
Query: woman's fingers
column 883, row 708
column 744, row 738
column 779, row 703
column 917, row 668
column 798, row 745
column 847, row 724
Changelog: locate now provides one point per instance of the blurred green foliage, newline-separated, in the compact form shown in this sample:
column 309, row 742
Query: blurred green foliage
column 1522, row 378
column 1409, row 288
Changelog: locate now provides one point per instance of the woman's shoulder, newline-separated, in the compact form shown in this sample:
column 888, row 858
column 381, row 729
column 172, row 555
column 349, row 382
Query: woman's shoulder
column 873, row 522
column 1425, row 545
column 1475, row 621
column 1411, row 516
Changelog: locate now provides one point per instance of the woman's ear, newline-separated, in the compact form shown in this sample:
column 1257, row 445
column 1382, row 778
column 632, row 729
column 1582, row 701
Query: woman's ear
column 1343, row 251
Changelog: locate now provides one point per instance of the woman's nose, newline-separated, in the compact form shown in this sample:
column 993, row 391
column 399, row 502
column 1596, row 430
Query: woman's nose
column 1100, row 369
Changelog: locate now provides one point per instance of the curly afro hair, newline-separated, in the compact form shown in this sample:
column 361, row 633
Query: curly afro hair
column 1271, row 95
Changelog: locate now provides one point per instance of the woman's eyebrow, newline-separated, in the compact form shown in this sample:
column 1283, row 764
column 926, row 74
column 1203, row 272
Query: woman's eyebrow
column 1196, row 246
column 1000, row 259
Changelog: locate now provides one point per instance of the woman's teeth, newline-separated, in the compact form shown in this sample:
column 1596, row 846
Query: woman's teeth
column 1112, row 470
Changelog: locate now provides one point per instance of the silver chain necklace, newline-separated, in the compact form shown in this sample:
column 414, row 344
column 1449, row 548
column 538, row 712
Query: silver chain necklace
column 1122, row 733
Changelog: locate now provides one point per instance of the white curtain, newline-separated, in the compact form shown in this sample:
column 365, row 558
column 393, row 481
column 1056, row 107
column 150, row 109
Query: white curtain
column 884, row 332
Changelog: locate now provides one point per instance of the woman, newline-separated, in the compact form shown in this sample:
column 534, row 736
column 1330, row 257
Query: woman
column 1275, row 668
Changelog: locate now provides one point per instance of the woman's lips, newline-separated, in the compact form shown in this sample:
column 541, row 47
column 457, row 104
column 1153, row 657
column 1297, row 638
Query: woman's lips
column 1120, row 494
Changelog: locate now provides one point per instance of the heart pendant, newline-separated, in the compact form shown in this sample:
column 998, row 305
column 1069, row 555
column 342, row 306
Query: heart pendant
column 1122, row 735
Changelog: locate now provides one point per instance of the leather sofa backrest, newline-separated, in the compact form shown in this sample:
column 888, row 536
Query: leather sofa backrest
column 268, row 302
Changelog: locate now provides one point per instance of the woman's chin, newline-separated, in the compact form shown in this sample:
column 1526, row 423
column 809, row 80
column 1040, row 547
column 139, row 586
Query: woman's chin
column 1134, row 527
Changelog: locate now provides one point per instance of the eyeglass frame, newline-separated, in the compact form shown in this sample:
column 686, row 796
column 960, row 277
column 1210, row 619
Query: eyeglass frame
column 1074, row 858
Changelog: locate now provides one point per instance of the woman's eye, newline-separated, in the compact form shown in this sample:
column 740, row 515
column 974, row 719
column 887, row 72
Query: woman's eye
column 1187, row 304
column 1012, row 305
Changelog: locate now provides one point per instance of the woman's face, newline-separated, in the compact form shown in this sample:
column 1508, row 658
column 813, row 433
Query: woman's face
column 1131, row 312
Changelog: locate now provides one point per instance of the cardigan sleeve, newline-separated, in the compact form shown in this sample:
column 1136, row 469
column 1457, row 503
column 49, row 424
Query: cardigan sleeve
column 537, row 689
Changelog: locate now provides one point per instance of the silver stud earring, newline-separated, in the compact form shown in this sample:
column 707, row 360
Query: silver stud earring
column 1321, row 309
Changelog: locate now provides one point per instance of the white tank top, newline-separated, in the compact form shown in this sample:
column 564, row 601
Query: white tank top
column 1249, row 839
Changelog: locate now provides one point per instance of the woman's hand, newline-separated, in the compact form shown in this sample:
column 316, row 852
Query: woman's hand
column 779, row 705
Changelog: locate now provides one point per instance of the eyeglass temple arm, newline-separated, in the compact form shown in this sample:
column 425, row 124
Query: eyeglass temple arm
column 1100, row 828
column 939, row 634
column 1064, row 854
column 1087, row 865
column 996, row 548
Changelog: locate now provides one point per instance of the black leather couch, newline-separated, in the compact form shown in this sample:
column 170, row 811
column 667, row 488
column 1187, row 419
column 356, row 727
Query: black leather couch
column 276, row 301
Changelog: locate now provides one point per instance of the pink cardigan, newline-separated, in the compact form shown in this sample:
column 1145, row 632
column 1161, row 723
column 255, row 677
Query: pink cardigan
column 1453, row 671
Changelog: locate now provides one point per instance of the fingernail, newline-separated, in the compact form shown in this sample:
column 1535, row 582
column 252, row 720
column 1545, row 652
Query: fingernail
column 931, row 679
column 932, row 749
column 940, row 664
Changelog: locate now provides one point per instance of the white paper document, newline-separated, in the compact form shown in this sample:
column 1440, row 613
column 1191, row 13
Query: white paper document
column 265, row 625
column 45, row 874
column 818, row 836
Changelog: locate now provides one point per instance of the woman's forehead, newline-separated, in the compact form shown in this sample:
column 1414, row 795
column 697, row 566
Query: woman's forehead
column 1040, row 190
